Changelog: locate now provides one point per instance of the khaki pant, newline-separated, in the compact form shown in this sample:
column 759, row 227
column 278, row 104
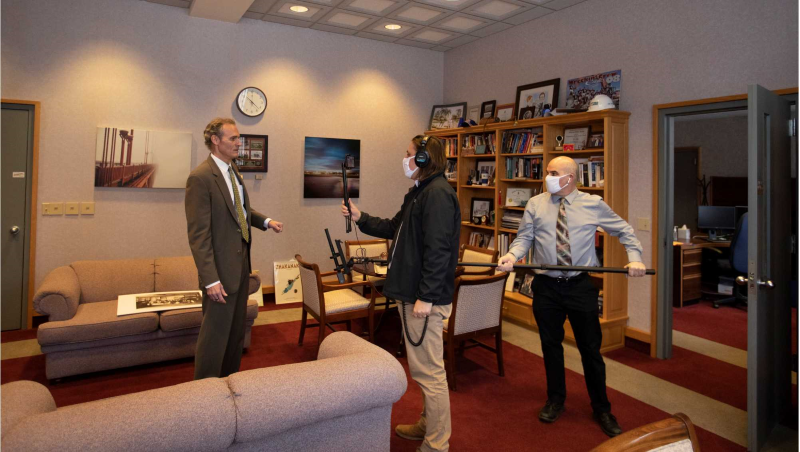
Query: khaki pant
column 426, row 364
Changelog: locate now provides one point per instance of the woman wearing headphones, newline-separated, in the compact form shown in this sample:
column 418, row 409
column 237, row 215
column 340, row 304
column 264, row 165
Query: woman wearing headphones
column 421, row 277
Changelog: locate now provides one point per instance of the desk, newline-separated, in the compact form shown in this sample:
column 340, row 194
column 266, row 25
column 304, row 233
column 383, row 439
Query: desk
column 687, row 272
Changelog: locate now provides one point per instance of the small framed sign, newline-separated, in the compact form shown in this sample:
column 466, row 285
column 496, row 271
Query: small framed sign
column 577, row 136
column 253, row 151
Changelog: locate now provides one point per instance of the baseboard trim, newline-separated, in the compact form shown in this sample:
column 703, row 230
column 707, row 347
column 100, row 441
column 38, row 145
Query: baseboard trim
column 639, row 335
column 267, row 289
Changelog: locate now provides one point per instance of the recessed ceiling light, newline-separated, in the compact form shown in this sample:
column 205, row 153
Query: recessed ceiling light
column 299, row 9
column 392, row 27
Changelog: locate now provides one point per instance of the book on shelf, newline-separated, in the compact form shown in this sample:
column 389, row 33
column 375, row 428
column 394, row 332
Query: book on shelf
column 512, row 219
column 591, row 171
column 481, row 240
column 523, row 142
column 523, row 168
column 451, row 172
column 450, row 146
column 478, row 144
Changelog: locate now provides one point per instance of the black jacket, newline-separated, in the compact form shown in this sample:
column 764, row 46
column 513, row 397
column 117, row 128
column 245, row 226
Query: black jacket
column 424, row 252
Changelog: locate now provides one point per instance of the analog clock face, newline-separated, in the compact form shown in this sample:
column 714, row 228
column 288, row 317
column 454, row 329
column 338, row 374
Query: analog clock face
column 251, row 101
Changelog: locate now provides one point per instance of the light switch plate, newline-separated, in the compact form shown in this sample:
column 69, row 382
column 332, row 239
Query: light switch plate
column 72, row 208
column 643, row 224
column 56, row 208
column 87, row 208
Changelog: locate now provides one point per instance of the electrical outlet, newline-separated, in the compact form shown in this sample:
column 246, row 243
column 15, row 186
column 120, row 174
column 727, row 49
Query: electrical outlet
column 87, row 208
column 643, row 224
column 72, row 208
column 56, row 208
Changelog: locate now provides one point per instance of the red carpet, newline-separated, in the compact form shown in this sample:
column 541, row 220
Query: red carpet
column 708, row 376
column 488, row 412
column 726, row 325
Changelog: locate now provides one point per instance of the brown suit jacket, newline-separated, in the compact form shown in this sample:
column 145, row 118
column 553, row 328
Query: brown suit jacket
column 214, row 234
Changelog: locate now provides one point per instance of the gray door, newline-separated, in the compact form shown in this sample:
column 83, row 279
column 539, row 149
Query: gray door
column 16, row 147
column 769, row 262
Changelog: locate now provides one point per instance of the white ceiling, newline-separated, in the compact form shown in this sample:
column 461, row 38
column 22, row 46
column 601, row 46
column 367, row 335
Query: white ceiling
column 438, row 25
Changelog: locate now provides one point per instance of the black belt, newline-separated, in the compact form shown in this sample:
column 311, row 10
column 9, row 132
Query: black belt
column 566, row 279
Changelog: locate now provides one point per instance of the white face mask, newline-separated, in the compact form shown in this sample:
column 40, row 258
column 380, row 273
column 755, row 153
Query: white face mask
column 407, row 170
column 554, row 183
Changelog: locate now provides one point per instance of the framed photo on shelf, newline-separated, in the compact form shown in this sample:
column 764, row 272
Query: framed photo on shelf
column 474, row 114
column 481, row 207
column 577, row 136
column 580, row 91
column 253, row 151
column 533, row 99
column 487, row 109
column 596, row 140
column 447, row 116
column 504, row 112
column 525, row 288
column 485, row 171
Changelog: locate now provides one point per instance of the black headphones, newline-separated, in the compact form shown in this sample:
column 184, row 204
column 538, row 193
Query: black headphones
column 422, row 158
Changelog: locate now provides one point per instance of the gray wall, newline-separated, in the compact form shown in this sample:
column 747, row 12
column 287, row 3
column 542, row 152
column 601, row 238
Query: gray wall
column 668, row 51
column 126, row 63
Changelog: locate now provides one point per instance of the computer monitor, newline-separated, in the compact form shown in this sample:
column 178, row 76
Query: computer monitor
column 716, row 219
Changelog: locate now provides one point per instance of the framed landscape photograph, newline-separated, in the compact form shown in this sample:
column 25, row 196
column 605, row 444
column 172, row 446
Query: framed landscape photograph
column 322, row 169
column 504, row 112
column 533, row 99
column 252, row 153
column 447, row 116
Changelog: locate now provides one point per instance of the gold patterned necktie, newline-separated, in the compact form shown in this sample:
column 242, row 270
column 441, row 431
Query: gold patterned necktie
column 239, row 209
column 563, row 254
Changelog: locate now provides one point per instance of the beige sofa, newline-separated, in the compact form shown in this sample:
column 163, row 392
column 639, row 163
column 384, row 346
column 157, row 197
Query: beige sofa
column 341, row 402
column 83, row 333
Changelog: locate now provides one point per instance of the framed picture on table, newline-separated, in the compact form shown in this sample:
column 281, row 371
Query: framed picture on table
column 534, row 99
column 253, row 150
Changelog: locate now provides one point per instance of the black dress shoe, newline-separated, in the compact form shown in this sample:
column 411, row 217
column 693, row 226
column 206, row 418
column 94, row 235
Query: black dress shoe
column 608, row 423
column 551, row 412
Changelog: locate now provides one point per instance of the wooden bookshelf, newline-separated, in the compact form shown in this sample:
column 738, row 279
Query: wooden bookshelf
column 614, row 125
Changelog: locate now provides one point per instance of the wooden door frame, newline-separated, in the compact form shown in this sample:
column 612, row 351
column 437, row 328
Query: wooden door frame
column 34, row 176
column 654, row 234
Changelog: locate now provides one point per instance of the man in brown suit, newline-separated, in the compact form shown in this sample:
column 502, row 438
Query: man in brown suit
column 219, row 216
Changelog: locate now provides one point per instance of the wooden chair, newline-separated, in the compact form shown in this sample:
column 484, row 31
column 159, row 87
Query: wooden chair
column 378, row 249
column 475, row 254
column 677, row 431
column 477, row 310
column 331, row 302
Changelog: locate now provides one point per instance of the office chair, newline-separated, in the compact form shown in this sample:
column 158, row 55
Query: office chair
column 738, row 263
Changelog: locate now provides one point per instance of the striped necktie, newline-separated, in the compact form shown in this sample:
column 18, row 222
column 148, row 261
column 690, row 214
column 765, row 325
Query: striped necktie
column 239, row 210
column 563, row 254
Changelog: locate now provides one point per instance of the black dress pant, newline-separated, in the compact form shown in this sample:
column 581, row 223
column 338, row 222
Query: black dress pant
column 221, row 340
column 555, row 300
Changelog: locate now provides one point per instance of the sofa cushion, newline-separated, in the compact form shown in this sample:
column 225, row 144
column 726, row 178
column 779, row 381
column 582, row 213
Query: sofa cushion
column 180, row 319
column 176, row 273
column 106, row 280
column 96, row 321
column 21, row 399
column 195, row 416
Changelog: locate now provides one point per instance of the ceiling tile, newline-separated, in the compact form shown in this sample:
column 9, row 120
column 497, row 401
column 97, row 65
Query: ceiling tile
column 374, row 7
column 330, row 3
column 261, row 6
column 331, row 29
column 441, row 48
column 408, row 42
column 380, row 28
column 178, row 3
column 455, row 5
column 537, row 2
column 252, row 15
column 498, row 9
column 286, row 21
column 461, row 40
column 462, row 23
column 491, row 29
column 534, row 13
column 282, row 8
column 420, row 14
column 434, row 36
column 561, row 4
column 364, row 34
column 347, row 19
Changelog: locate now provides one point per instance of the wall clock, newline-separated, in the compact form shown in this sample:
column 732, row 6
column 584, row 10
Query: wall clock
column 251, row 101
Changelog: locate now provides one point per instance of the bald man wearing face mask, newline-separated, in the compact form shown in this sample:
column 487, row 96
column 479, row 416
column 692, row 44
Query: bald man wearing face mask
column 560, row 224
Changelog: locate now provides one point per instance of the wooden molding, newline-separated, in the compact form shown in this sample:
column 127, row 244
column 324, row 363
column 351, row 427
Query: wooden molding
column 267, row 289
column 639, row 335
column 34, row 175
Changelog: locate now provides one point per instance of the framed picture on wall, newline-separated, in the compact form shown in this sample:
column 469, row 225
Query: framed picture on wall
column 533, row 99
column 447, row 116
column 252, row 153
